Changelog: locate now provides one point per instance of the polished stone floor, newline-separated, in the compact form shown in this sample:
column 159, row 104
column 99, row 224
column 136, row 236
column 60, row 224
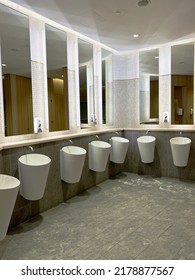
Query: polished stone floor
column 127, row 217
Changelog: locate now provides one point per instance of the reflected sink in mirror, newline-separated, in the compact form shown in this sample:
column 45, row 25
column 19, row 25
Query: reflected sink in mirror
column 9, row 187
column 99, row 152
column 119, row 147
column 72, row 159
column 33, row 173
column 146, row 145
column 180, row 148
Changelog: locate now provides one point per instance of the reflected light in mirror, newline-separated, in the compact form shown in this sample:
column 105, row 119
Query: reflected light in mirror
column 56, row 47
column 149, row 86
column 17, row 89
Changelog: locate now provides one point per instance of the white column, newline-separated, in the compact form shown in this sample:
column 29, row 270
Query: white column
column 73, row 82
column 144, row 90
column 164, row 84
column 109, row 98
column 39, row 71
column 2, row 121
column 97, row 58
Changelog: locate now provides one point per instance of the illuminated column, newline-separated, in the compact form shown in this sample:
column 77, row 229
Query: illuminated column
column 109, row 81
column 39, row 71
column 2, row 122
column 73, row 82
column 144, row 90
column 97, row 58
column 164, row 84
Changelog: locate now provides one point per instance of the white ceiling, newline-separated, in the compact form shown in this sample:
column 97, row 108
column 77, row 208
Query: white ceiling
column 160, row 22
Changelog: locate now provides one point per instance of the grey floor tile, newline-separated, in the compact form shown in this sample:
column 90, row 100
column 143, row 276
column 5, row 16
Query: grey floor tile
column 127, row 217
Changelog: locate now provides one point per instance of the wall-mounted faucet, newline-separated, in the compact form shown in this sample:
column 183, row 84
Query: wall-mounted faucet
column 116, row 132
column 147, row 131
column 29, row 147
column 94, row 136
column 180, row 133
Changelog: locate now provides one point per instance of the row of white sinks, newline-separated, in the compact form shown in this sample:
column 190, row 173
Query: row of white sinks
column 34, row 168
column 180, row 148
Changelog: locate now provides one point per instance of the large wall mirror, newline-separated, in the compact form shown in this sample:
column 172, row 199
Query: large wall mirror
column 149, row 86
column 16, row 72
column 57, row 76
column 182, row 83
column 85, row 51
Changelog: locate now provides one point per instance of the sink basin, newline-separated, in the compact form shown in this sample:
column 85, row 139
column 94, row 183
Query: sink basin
column 119, row 147
column 72, row 159
column 99, row 152
column 146, row 145
column 9, row 187
column 33, row 173
column 180, row 148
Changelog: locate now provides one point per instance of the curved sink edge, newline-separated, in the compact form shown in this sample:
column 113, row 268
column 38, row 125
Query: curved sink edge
column 100, row 144
column 119, row 139
column 34, row 163
column 83, row 151
column 148, row 139
column 10, row 182
column 184, row 140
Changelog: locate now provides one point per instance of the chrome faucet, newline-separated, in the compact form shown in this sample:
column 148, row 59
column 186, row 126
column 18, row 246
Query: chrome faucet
column 95, row 136
column 29, row 147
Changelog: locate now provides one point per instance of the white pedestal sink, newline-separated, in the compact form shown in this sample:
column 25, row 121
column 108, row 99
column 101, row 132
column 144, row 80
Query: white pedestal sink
column 9, row 187
column 146, row 145
column 99, row 152
column 33, row 173
column 119, row 147
column 72, row 159
column 180, row 148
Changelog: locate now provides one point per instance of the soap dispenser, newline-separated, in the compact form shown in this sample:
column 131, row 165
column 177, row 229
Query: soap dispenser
column 38, row 125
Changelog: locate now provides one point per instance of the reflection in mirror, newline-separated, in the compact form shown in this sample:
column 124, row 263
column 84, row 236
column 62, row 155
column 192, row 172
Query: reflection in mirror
column 56, row 46
column 182, row 83
column 16, row 71
column 85, row 51
column 105, row 82
column 149, row 86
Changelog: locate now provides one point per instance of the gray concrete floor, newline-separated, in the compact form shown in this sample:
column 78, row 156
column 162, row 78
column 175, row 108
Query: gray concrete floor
column 127, row 217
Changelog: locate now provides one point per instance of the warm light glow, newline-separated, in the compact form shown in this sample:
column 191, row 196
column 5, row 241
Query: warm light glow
column 136, row 35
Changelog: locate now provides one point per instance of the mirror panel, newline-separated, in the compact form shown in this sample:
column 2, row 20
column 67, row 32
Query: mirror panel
column 16, row 71
column 57, row 75
column 182, row 83
column 149, row 86
column 85, row 51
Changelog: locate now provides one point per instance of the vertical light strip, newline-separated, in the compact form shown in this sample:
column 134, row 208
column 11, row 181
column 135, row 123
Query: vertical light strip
column 97, row 59
column 164, row 84
column 109, row 83
column 73, row 82
column 2, row 124
column 39, row 74
column 90, row 92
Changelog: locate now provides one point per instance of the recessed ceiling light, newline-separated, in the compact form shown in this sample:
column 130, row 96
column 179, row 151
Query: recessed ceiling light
column 143, row 3
column 118, row 12
column 136, row 35
column 156, row 57
column 3, row 64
